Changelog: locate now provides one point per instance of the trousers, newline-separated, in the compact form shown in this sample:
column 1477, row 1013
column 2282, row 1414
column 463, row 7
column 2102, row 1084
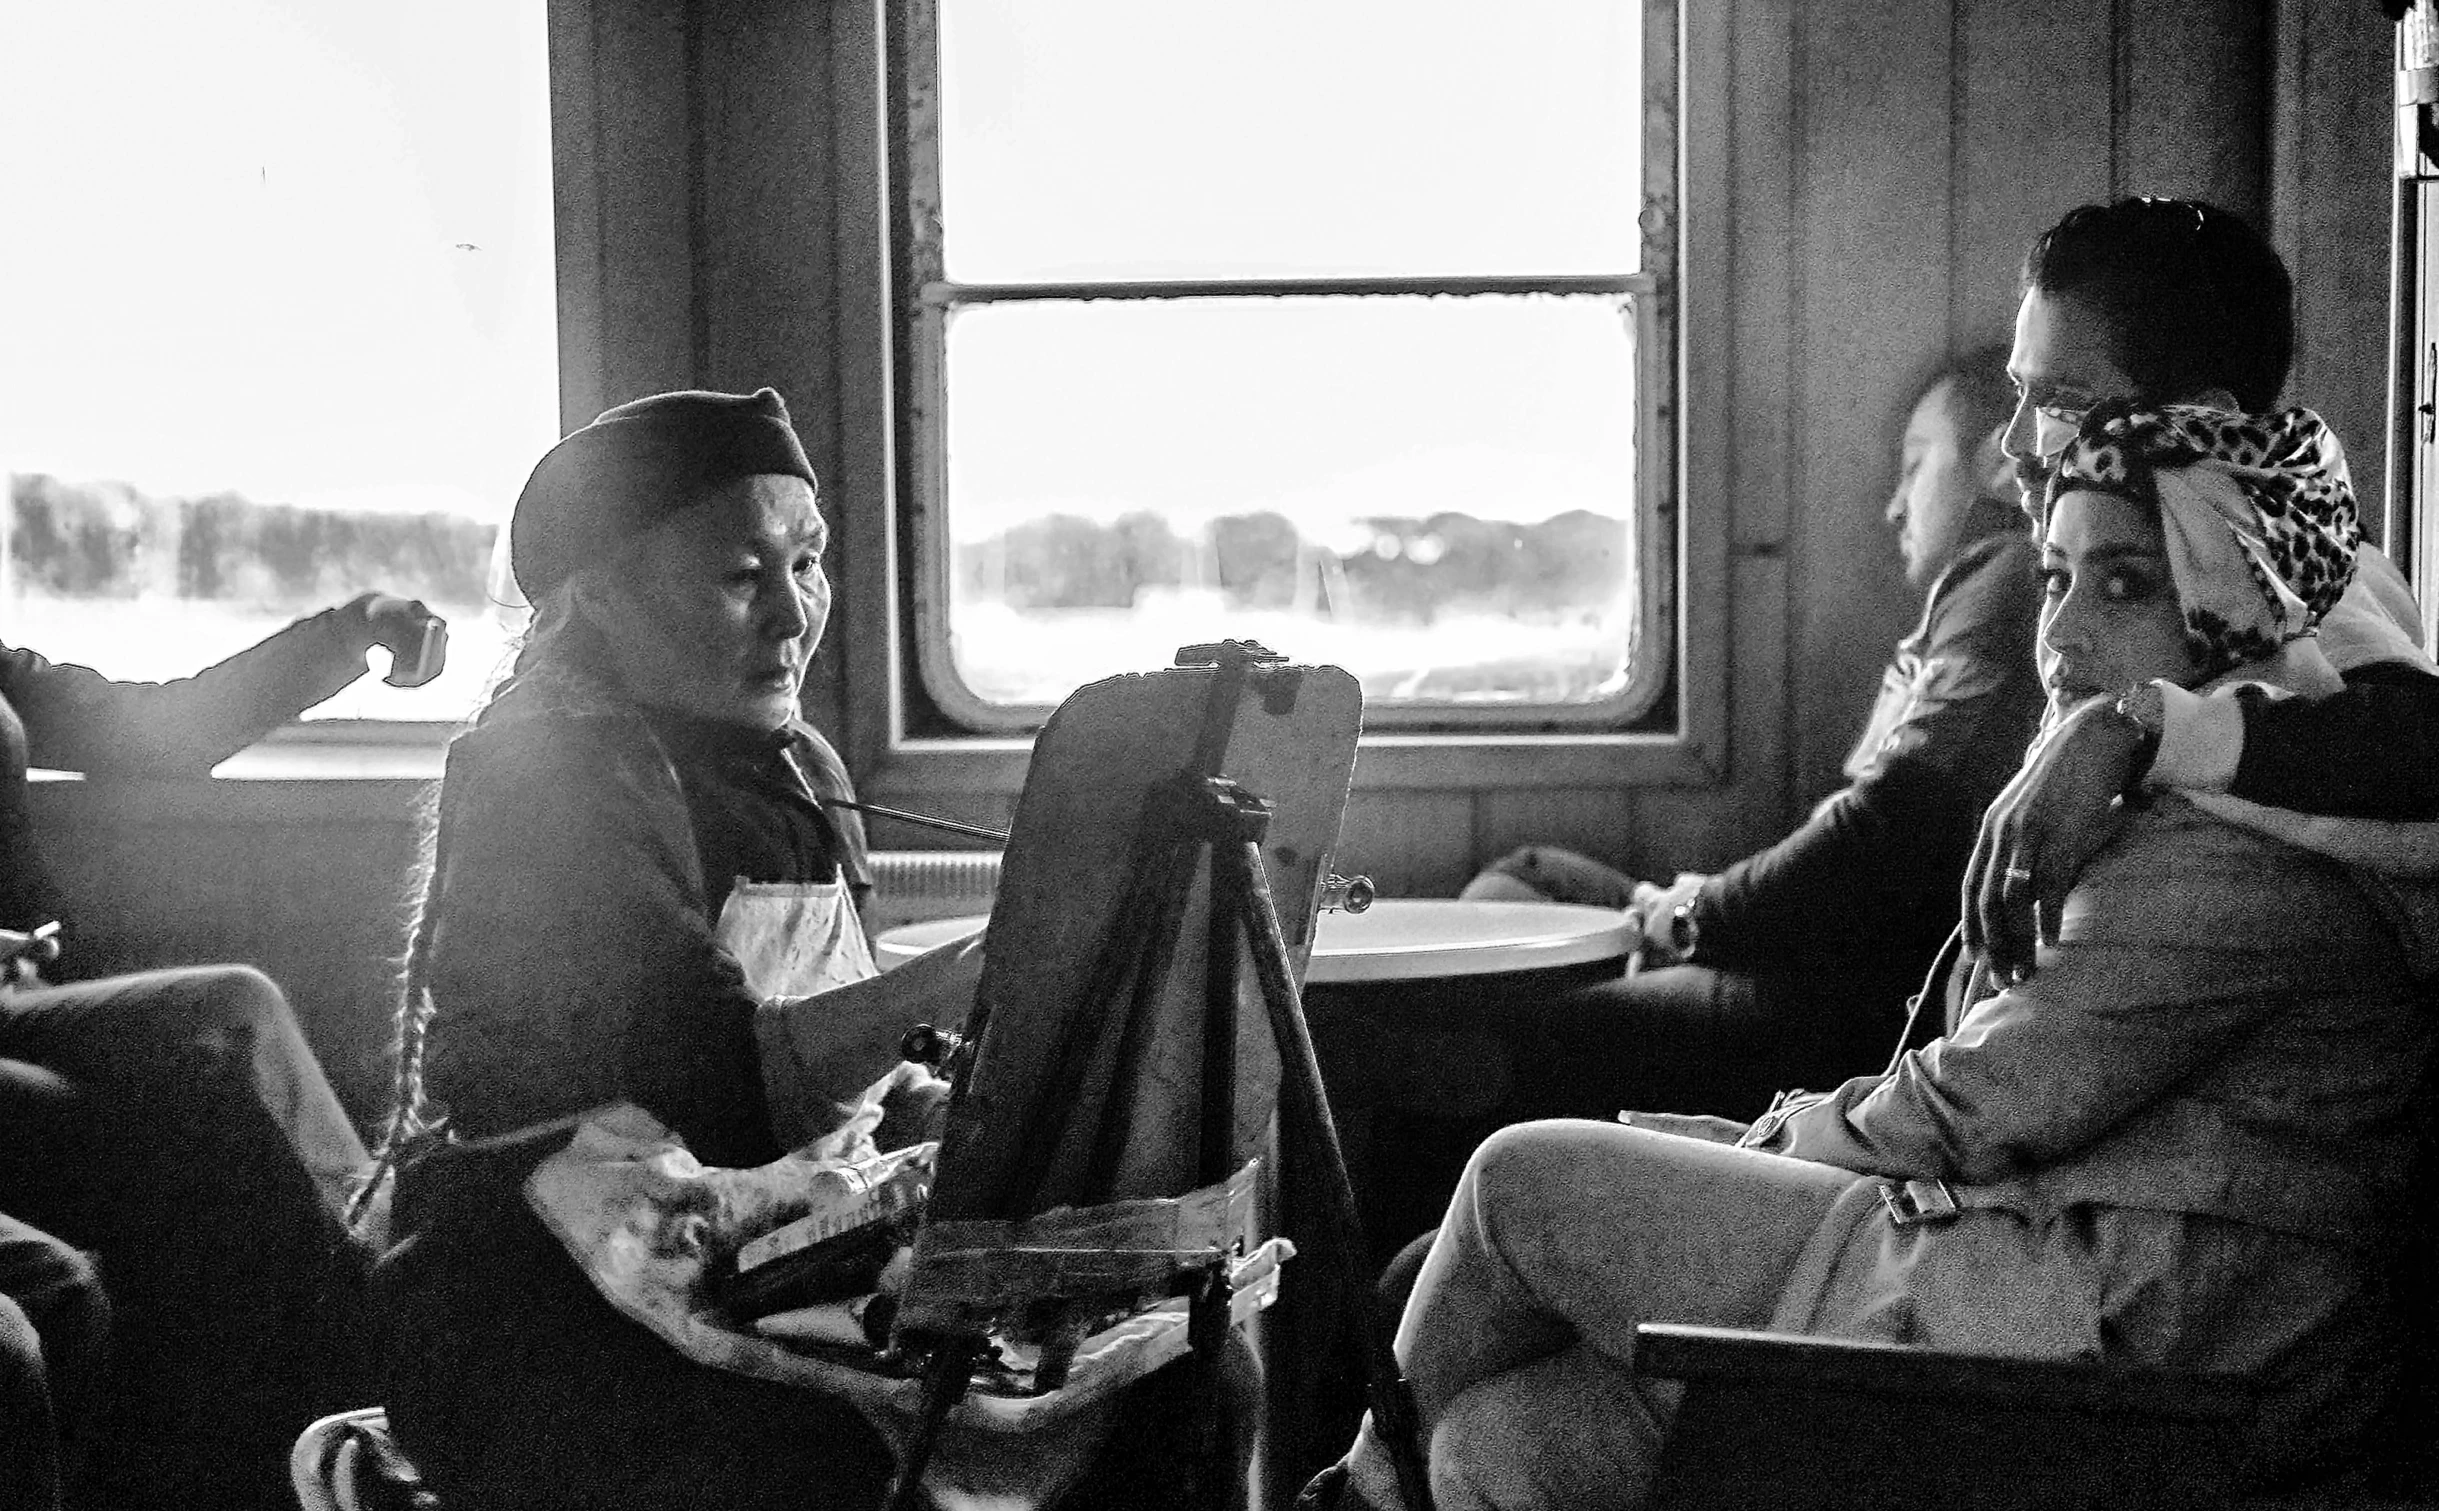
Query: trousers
column 1519, row 1337
column 515, row 1387
column 175, row 1124
column 54, row 1326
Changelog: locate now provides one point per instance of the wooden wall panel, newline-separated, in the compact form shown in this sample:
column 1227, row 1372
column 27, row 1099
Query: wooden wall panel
column 1598, row 822
column 621, row 144
column 1763, row 265
column 1872, row 249
column 2034, row 137
column 2193, row 98
column 2329, row 213
column 765, row 280
column 1412, row 844
column 765, row 302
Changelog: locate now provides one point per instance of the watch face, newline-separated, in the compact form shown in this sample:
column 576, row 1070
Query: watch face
column 1682, row 929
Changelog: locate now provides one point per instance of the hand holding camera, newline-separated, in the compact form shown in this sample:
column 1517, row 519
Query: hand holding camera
column 416, row 638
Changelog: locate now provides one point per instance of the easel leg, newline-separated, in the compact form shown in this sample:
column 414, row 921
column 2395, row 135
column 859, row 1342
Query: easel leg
column 944, row 1384
column 1392, row 1400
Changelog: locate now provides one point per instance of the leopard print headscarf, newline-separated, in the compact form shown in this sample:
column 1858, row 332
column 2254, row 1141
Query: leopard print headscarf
column 2258, row 512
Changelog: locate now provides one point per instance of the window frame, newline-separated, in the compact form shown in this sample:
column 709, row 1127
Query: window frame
column 890, row 431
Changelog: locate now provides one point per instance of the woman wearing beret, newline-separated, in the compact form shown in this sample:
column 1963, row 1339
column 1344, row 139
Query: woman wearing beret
column 635, row 805
column 2174, row 1144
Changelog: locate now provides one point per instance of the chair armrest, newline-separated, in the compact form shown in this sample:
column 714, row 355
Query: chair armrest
column 1683, row 1351
column 1911, row 1429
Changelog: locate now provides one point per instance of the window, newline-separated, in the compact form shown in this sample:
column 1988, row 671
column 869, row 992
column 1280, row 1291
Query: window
column 278, row 301
column 1344, row 326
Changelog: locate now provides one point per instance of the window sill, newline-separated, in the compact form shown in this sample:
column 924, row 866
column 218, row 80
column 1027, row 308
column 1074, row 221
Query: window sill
column 910, row 769
column 289, row 778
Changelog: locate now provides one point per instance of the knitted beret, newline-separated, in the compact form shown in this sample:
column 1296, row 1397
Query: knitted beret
column 636, row 465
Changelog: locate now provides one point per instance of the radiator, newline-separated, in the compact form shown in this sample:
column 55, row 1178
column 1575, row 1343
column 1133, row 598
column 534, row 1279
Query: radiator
column 909, row 886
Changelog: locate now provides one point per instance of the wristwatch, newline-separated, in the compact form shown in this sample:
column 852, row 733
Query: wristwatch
column 2144, row 709
column 1684, row 931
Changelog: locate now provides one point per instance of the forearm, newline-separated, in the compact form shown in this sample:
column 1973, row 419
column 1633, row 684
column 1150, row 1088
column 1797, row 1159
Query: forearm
column 78, row 720
column 2368, row 751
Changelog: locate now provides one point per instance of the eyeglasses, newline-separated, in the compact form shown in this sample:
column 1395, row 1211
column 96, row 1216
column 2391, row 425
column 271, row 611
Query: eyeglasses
column 2054, row 426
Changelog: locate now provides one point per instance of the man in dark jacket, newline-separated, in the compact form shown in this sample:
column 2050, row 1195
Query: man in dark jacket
column 1793, row 965
column 173, row 1123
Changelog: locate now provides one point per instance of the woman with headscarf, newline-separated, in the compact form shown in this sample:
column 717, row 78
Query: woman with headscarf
column 639, row 908
column 2173, row 1144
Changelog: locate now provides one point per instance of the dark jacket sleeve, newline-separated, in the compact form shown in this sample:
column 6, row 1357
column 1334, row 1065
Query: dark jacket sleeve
column 76, row 719
column 2370, row 750
column 573, row 959
column 1873, row 870
column 1869, row 881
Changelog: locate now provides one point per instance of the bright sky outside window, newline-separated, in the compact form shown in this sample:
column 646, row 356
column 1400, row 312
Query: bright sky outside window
column 1329, row 325
column 278, row 296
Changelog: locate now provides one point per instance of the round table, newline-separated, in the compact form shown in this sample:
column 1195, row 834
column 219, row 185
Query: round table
column 1396, row 939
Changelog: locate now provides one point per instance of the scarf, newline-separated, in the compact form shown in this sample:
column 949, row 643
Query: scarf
column 2257, row 512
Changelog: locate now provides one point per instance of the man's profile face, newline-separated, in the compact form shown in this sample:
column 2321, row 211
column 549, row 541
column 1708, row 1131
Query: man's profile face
column 2061, row 366
column 1935, row 494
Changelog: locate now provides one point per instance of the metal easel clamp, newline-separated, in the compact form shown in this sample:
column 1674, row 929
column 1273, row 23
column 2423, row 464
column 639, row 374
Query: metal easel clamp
column 1227, row 653
column 1210, row 808
column 1351, row 894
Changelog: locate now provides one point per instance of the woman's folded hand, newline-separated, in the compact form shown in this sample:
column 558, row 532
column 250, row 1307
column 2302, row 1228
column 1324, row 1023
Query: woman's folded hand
column 1701, row 1125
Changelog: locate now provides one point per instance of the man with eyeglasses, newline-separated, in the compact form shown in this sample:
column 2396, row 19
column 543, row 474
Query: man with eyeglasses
column 2170, row 300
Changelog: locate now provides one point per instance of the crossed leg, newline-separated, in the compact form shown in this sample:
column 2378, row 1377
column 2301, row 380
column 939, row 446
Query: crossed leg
column 1519, row 1339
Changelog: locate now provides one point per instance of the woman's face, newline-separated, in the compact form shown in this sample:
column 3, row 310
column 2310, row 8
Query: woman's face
column 2109, row 615
column 715, row 610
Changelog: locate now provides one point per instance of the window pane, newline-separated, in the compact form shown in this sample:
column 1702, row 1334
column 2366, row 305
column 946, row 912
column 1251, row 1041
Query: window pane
column 280, row 321
column 1102, row 139
column 1433, row 493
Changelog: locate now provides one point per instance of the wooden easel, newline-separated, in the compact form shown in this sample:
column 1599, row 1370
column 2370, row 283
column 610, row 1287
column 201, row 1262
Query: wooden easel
column 1100, row 1079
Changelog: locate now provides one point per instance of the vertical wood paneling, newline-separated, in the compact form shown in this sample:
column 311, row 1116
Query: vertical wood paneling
column 1762, row 385
column 1761, row 802
column 1872, row 255
column 1598, row 822
column 1411, row 843
column 2331, row 204
column 2194, row 83
column 1689, row 829
column 620, row 148
column 1762, row 309
column 857, row 477
column 2033, row 140
column 765, row 282
column 576, row 90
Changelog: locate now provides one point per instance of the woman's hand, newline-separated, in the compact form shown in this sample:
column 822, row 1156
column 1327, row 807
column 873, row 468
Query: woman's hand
column 914, row 1107
column 2042, row 829
column 1711, row 1130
